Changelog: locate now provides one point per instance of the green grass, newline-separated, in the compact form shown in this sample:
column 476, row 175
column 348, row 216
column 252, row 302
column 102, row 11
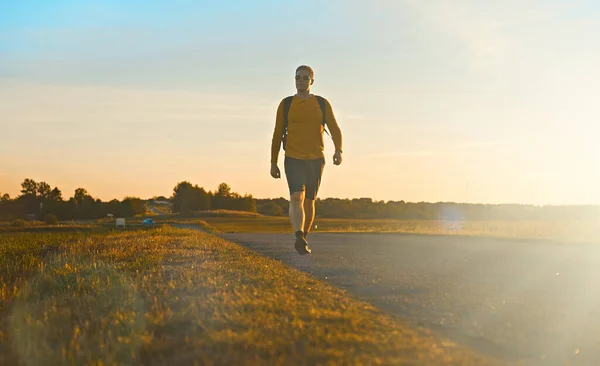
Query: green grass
column 581, row 231
column 174, row 296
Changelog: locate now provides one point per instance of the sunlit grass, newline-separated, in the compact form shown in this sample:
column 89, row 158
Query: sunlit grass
column 173, row 296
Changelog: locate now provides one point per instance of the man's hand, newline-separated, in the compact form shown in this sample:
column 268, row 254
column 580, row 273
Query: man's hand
column 275, row 173
column 337, row 157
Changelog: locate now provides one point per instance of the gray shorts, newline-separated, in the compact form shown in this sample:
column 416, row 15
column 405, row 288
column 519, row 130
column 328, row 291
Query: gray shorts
column 304, row 175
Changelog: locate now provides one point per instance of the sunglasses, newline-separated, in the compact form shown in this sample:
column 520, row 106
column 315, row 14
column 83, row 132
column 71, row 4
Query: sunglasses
column 305, row 77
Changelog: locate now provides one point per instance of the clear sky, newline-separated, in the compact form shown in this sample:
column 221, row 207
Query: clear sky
column 464, row 101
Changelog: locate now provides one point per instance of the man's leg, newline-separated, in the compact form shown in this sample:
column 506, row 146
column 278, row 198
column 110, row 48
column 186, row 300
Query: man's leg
column 312, row 188
column 297, row 210
column 297, row 216
column 309, row 214
column 295, row 171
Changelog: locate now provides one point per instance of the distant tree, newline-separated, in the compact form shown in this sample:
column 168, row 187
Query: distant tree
column 188, row 198
column 5, row 207
column 80, row 195
column 70, row 209
column 245, row 203
column 55, row 195
column 182, row 197
column 199, row 199
column 54, row 204
column 224, row 190
column 28, row 202
column 222, row 198
column 113, row 207
column 43, row 190
column 29, row 187
column 85, row 205
column 132, row 206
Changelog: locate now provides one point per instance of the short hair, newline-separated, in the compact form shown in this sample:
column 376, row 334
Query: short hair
column 307, row 68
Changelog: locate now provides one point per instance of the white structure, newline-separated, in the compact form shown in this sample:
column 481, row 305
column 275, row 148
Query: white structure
column 120, row 222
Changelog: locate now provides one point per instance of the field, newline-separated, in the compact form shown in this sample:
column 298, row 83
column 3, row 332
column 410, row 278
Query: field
column 86, row 293
column 236, row 222
column 174, row 296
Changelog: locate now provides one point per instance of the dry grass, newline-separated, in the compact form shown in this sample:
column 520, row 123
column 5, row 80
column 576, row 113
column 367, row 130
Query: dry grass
column 38, row 226
column 179, row 297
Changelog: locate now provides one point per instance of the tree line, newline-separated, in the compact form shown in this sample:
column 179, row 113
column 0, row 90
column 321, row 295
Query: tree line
column 41, row 200
column 44, row 203
column 188, row 198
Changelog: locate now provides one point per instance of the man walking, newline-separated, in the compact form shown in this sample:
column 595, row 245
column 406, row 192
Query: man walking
column 300, row 124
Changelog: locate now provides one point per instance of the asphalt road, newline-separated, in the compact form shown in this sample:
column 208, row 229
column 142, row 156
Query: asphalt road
column 529, row 301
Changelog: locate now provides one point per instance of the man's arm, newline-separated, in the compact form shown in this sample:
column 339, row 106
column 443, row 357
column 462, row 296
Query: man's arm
column 334, row 128
column 277, row 134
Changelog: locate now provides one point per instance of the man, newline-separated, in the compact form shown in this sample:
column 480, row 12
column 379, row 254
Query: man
column 304, row 158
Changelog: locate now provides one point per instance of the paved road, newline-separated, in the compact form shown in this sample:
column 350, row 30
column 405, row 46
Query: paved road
column 537, row 302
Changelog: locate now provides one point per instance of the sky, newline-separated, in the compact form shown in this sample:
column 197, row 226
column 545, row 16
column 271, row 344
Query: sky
column 463, row 101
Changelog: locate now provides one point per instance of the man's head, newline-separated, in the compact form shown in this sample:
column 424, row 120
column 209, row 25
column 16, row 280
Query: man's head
column 305, row 77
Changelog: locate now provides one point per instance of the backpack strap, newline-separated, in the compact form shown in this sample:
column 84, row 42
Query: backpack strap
column 321, row 101
column 287, row 102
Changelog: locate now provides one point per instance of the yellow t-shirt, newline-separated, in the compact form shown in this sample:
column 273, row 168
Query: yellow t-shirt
column 305, row 129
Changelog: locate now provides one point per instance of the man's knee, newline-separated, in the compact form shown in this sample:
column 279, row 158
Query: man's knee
column 297, row 197
column 309, row 202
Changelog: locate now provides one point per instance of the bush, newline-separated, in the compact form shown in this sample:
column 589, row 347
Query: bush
column 271, row 209
column 50, row 219
column 19, row 223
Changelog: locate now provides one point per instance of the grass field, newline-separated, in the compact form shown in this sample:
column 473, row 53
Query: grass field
column 224, row 221
column 179, row 297
column 580, row 231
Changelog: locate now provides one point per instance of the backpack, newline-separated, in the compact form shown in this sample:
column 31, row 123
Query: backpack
column 287, row 102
